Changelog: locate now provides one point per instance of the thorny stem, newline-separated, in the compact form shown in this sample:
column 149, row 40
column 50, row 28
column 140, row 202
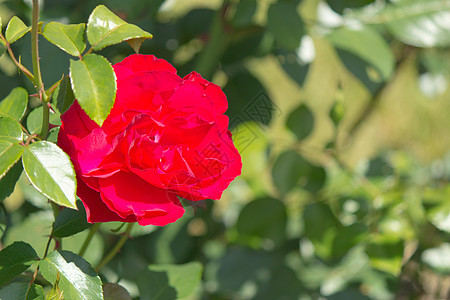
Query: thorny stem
column 38, row 84
column 115, row 249
column 15, row 61
column 88, row 239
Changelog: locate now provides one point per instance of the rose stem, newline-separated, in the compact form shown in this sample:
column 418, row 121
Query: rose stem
column 38, row 84
column 115, row 249
column 88, row 239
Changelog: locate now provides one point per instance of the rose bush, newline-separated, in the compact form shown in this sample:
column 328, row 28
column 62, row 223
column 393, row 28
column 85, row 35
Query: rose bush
column 166, row 136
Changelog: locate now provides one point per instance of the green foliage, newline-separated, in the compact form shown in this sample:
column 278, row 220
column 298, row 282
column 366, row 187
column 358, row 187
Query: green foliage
column 94, row 85
column 169, row 281
column 15, row 259
column 51, row 173
column 15, row 104
column 339, row 110
column 69, row 38
column 22, row 291
column 105, row 29
column 73, row 274
column 15, row 30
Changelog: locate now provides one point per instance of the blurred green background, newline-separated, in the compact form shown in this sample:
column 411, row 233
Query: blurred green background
column 341, row 112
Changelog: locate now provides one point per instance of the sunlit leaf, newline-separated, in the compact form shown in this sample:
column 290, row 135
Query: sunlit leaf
column 104, row 28
column 15, row 30
column 69, row 38
column 15, row 104
column 94, row 85
column 10, row 128
column 10, row 153
column 34, row 119
column 51, row 172
column 77, row 279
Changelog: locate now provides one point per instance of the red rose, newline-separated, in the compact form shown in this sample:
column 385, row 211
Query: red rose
column 166, row 136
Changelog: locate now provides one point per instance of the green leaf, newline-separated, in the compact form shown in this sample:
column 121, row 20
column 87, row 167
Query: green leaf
column 34, row 120
column 65, row 96
column 69, row 221
column 286, row 24
column 8, row 182
column 10, row 153
column 50, row 171
column 15, row 104
column 10, row 128
column 265, row 218
column 112, row 291
column 169, row 281
column 94, row 86
column 22, row 291
column 367, row 44
column 321, row 227
column 15, row 259
column 2, row 48
column 55, row 292
column 289, row 169
column 244, row 13
column 69, row 38
column 77, row 279
column 417, row 22
column 15, row 30
column 301, row 121
column 104, row 28
column 385, row 253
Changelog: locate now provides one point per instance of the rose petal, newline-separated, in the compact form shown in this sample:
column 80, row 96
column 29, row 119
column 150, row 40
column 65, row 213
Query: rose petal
column 213, row 91
column 137, row 63
column 96, row 210
column 127, row 194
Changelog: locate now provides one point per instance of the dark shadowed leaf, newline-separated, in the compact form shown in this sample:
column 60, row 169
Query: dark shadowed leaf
column 8, row 182
column 70, row 221
column 15, row 259
column 50, row 171
column 65, row 96
column 301, row 121
column 289, row 169
column 94, row 85
column 321, row 227
column 169, row 281
column 286, row 24
column 112, row 291
column 22, row 291
column 77, row 279
column 263, row 218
